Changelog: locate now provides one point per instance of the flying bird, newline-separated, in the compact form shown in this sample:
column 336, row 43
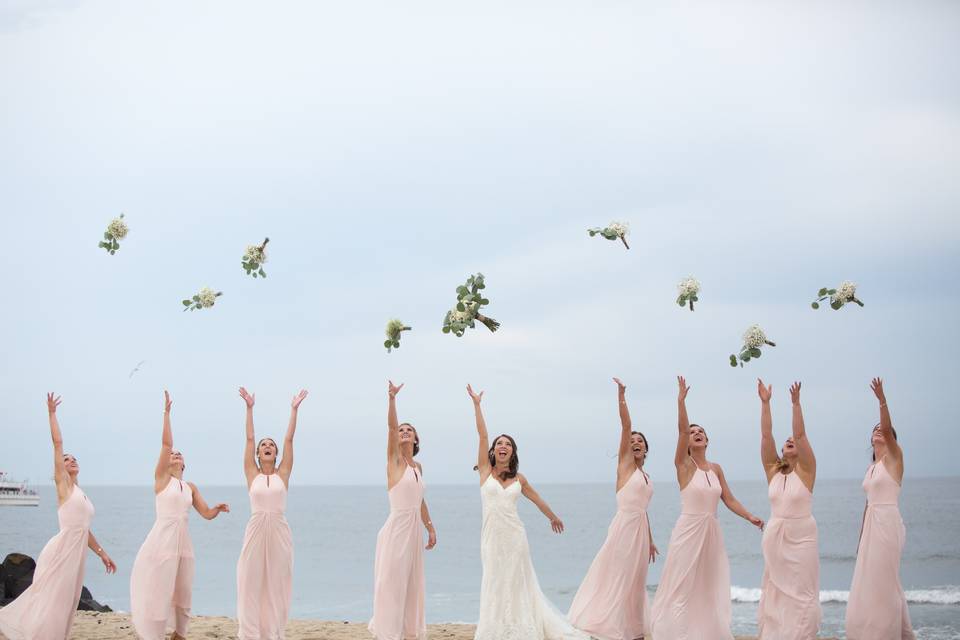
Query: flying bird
column 136, row 368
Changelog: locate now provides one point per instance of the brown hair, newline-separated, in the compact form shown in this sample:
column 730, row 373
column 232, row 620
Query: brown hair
column 511, row 472
column 645, row 445
column 692, row 425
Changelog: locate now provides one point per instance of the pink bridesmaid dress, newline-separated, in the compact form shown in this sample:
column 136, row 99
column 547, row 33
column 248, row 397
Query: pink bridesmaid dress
column 693, row 597
column 161, row 583
column 46, row 609
column 611, row 604
column 265, row 568
column 790, row 592
column 877, row 609
column 398, row 589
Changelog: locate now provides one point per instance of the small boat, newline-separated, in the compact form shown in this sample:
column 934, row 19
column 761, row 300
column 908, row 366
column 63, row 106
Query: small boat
column 16, row 494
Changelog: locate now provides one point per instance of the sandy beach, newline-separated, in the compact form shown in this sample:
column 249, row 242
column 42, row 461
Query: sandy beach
column 116, row 626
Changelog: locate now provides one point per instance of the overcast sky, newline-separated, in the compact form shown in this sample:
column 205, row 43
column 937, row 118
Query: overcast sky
column 391, row 149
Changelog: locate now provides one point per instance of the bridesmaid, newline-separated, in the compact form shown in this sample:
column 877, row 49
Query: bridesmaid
column 399, row 586
column 611, row 604
column 265, row 567
column 161, row 582
column 790, row 592
column 877, row 609
column 46, row 608
column 693, row 597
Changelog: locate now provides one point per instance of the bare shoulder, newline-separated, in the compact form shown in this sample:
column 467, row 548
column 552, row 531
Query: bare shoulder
column 522, row 479
column 193, row 487
column 717, row 469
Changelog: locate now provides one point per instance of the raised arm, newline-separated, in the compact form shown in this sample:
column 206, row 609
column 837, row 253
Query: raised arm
column 681, row 460
column 626, row 426
column 731, row 502
column 768, row 446
column 60, row 475
column 205, row 510
column 161, row 475
column 97, row 549
column 531, row 494
column 886, row 428
column 807, row 461
column 250, row 469
column 393, row 425
column 483, row 459
column 286, row 465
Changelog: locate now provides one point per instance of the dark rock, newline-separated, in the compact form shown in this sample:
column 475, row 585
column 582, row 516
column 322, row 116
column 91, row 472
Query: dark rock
column 17, row 574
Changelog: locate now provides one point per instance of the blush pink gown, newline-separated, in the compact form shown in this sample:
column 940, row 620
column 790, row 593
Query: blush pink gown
column 611, row 604
column 265, row 568
column 399, row 585
column 161, row 582
column 693, row 597
column 46, row 609
column 790, row 591
column 877, row 609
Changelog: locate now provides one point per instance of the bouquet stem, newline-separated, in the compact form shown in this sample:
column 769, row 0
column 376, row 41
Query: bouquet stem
column 489, row 323
column 624, row 241
column 772, row 344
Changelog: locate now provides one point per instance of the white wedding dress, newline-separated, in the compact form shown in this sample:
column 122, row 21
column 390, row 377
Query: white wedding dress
column 512, row 607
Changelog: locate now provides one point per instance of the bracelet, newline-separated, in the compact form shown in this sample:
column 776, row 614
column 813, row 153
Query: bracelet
column 99, row 550
column 883, row 404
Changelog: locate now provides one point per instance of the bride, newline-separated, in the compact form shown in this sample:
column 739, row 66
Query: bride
column 512, row 607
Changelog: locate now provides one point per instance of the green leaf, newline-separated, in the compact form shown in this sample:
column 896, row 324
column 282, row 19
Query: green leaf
column 733, row 360
column 836, row 305
column 822, row 292
column 254, row 274
column 484, row 301
column 681, row 301
column 186, row 303
column 815, row 305
column 262, row 274
column 107, row 236
column 831, row 291
column 755, row 353
column 446, row 329
column 695, row 298
column 388, row 343
column 196, row 298
column 460, row 307
column 591, row 232
column 396, row 344
column 112, row 251
column 462, row 290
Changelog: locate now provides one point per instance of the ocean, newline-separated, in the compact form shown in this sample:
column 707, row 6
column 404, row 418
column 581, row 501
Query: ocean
column 335, row 529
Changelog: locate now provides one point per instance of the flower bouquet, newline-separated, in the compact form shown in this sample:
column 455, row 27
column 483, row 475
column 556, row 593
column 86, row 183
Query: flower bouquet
column 613, row 231
column 466, row 313
column 394, row 329
column 116, row 231
column 688, row 289
column 203, row 300
column 846, row 292
column 254, row 257
column 753, row 339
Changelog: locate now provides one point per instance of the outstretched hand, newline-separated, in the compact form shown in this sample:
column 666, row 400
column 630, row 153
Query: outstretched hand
column 167, row 402
column 877, row 385
column 795, row 392
column 620, row 386
column 765, row 392
column 557, row 525
column 249, row 398
column 476, row 397
column 393, row 389
column 52, row 403
column 297, row 399
column 108, row 562
column 682, row 383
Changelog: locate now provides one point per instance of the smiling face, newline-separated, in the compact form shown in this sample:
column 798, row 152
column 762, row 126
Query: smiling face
column 409, row 437
column 698, row 438
column 71, row 464
column 503, row 449
column 638, row 446
column 789, row 450
column 267, row 450
column 503, row 453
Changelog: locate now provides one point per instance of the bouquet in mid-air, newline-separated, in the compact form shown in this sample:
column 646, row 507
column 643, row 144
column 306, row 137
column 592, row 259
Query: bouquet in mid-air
column 753, row 339
column 846, row 292
column 613, row 231
column 688, row 289
column 466, row 313
column 116, row 231
column 254, row 257
column 203, row 300
column 394, row 328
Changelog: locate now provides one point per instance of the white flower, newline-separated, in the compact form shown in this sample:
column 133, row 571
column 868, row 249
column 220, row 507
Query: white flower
column 460, row 316
column 620, row 228
column 207, row 297
column 688, row 287
column 255, row 253
column 117, row 228
column 394, row 327
column 845, row 292
column 754, row 337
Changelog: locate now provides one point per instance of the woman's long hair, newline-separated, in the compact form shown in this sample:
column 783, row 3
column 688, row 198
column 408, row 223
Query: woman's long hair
column 692, row 425
column 416, row 437
column 646, row 447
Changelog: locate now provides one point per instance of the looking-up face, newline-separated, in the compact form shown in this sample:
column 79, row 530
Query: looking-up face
column 176, row 461
column 698, row 437
column 789, row 449
column 409, row 435
column 877, row 437
column 502, row 449
column 267, row 450
column 71, row 464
